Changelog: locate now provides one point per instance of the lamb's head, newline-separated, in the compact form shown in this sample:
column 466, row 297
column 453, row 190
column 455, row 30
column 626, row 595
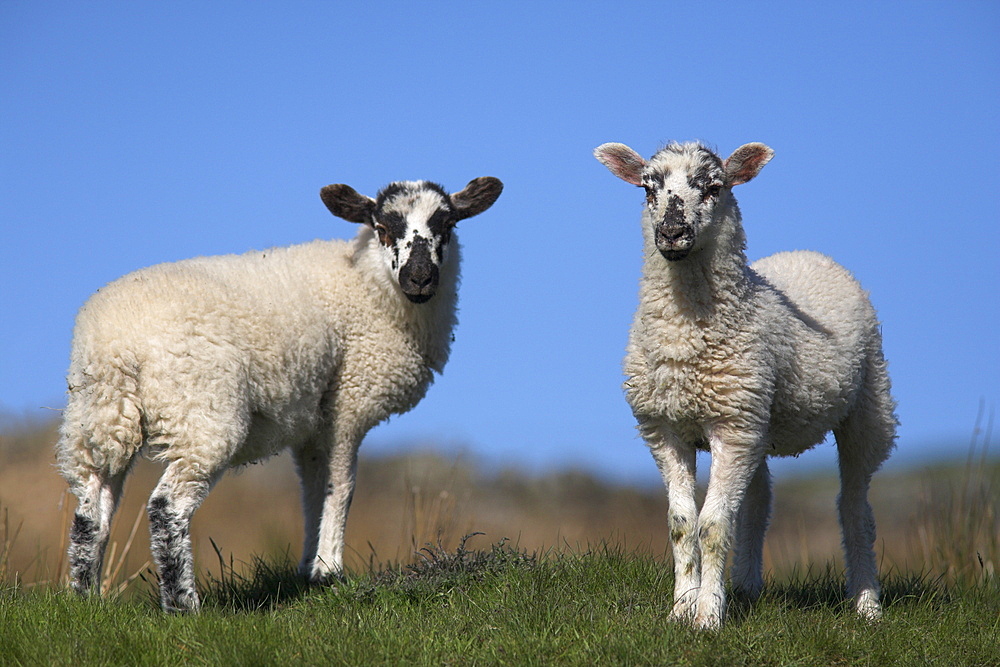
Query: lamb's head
column 688, row 188
column 413, row 221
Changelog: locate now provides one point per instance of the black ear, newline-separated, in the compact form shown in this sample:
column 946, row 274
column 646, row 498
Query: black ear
column 476, row 197
column 345, row 202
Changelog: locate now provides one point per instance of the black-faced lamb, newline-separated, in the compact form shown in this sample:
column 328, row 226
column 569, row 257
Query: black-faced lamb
column 746, row 361
column 215, row 362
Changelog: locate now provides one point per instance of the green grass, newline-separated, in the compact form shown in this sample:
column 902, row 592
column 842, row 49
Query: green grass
column 499, row 605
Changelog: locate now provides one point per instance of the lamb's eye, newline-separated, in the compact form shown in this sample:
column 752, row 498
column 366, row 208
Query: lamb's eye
column 713, row 190
column 383, row 235
column 650, row 194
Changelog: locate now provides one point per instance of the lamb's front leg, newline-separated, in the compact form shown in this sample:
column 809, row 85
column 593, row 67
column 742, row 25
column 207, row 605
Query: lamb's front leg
column 735, row 458
column 676, row 461
column 328, row 562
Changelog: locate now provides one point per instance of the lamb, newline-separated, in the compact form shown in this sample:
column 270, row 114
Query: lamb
column 746, row 361
column 215, row 362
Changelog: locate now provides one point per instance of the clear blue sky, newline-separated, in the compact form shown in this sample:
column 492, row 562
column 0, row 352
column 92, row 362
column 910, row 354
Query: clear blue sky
column 133, row 133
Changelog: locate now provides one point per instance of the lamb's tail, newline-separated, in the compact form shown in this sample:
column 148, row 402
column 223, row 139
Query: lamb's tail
column 102, row 425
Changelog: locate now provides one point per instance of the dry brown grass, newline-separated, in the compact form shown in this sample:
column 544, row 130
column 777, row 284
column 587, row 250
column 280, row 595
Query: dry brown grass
column 940, row 521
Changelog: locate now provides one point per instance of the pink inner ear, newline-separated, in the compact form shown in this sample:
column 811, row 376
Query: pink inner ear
column 747, row 170
column 623, row 163
column 746, row 162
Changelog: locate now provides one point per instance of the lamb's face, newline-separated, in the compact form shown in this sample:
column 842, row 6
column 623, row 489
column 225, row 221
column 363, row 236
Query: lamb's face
column 688, row 188
column 413, row 222
column 684, row 186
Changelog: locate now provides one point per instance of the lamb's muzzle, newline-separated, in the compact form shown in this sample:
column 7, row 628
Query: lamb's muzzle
column 674, row 236
column 418, row 278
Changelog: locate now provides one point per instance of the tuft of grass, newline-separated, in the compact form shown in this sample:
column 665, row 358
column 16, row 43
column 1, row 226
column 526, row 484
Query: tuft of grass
column 434, row 563
column 7, row 539
column 960, row 531
column 260, row 585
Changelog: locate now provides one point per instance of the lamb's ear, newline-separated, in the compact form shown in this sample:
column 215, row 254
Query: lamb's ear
column 476, row 197
column 746, row 162
column 622, row 161
column 345, row 202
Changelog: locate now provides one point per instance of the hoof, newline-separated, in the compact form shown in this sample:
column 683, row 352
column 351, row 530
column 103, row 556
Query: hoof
column 182, row 604
column 326, row 579
column 680, row 617
column 684, row 610
column 710, row 621
column 868, row 606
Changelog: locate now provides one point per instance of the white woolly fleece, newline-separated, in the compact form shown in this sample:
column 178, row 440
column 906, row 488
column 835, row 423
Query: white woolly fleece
column 781, row 350
column 224, row 360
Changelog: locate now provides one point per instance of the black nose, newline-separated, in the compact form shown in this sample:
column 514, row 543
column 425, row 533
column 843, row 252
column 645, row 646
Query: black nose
column 672, row 231
column 418, row 278
column 421, row 276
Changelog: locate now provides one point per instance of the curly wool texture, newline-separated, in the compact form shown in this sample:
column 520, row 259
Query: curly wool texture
column 781, row 346
column 224, row 360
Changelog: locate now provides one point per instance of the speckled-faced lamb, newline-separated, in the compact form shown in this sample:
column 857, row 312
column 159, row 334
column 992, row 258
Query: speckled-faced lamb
column 215, row 362
column 746, row 361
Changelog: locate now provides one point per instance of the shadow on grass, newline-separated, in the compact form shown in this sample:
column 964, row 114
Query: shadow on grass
column 826, row 590
column 265, row 586
column 256, row 586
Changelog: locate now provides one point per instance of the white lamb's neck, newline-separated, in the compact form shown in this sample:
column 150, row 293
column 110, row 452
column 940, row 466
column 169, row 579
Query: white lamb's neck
column 702, row 287
column 430, row 323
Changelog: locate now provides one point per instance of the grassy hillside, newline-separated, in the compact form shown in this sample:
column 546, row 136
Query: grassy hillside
column 500, row 606
column 583, row 579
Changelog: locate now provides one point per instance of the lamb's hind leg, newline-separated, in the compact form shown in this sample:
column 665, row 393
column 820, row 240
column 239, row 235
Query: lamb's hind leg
column 676, row 462
column 98, row 494
column 180, row 492
column 857, row 525
column 864, row 441
column 751, row 526
column 312, row 464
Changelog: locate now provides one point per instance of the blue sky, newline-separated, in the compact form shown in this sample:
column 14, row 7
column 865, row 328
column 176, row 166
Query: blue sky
column 138, row 133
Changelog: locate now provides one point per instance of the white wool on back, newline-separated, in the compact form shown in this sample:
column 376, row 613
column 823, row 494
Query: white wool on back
column 229, row 359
